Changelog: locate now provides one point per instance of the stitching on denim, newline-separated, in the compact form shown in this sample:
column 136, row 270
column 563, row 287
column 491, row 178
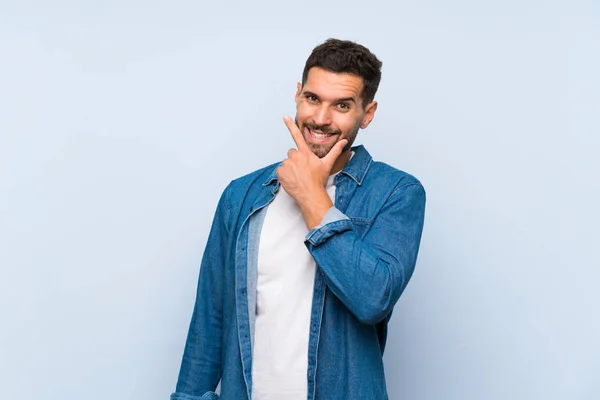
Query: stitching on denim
column 328, row 228
column 404, row 187
column 361, row 220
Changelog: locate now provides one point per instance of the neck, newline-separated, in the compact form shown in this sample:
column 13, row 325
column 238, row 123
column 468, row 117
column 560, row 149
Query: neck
column 341, row 162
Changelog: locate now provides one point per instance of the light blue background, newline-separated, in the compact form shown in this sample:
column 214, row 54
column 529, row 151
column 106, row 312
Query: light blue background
column 122, row 121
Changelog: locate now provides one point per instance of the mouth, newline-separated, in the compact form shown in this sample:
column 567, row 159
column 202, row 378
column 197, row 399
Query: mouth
column 318, row 137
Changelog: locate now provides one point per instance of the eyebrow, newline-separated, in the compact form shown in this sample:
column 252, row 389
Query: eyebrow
column 342, row 100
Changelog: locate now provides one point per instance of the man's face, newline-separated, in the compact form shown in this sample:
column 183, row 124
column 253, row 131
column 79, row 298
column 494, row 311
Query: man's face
column 329, row 108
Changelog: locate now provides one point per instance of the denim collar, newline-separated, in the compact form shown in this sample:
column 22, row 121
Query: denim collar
column 356, row 168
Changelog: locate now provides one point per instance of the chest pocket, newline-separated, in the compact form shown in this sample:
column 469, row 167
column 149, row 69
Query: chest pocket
column 361, row 225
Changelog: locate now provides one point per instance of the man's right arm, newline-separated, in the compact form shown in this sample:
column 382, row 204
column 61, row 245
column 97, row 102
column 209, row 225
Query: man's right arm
column 201, row 364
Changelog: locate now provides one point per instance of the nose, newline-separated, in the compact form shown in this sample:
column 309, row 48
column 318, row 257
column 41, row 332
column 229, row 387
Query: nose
column 322, row 115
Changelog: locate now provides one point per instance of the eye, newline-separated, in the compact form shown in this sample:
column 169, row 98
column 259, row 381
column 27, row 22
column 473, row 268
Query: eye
column 312, row 98
column 344, row 106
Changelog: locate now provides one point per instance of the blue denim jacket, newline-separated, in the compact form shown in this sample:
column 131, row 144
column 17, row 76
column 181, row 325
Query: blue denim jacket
column 365, row 250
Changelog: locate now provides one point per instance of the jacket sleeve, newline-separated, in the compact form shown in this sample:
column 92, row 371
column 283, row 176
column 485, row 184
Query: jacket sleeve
column 369, row 275
column 200, row 370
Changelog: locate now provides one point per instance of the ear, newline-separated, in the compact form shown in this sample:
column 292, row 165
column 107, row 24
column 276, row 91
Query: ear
column 298, row 91
column 369, row 114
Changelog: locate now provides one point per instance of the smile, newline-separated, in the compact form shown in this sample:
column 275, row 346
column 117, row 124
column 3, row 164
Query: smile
column 318, row 136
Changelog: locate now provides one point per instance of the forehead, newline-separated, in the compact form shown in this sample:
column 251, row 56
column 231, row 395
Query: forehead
column 332, row 85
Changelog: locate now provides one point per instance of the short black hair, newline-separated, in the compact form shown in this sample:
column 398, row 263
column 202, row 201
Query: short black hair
column 344, row 56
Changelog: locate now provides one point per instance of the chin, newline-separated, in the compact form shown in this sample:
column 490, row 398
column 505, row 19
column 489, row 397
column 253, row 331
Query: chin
column 319, row 151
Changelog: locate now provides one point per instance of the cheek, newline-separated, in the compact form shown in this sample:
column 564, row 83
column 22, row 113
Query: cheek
column 302, row 112
column 348, row 125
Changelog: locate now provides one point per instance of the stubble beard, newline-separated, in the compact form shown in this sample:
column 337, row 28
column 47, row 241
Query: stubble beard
column 321, row 150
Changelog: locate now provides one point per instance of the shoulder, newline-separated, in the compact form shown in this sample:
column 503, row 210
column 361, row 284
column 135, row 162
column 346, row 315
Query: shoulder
column 377, row 177
column 395, row 188
column 240, row 188
column 381, row 173
column 258, row 177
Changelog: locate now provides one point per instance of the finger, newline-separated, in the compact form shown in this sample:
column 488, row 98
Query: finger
column 334, row 153
column 291, row 152
column 296, row 134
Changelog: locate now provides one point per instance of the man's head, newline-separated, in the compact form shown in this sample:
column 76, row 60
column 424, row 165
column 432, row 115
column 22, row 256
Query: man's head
column 335, row 98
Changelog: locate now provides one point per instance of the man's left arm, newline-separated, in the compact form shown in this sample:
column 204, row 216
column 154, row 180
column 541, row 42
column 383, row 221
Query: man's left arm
column 368, row 275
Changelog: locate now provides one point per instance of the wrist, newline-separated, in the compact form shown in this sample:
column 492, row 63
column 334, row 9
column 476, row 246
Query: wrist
column 315, row 207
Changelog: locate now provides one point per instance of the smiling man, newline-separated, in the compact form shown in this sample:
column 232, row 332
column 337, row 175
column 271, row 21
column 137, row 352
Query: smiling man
column 307, row 257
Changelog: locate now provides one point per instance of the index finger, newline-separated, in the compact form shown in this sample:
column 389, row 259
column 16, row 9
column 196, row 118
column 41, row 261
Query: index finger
column 296, row 134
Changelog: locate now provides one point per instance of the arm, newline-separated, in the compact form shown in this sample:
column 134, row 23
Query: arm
column 369, row 275
column 201, row 364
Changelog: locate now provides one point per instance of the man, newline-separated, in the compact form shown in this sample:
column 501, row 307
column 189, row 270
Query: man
column 306, row 258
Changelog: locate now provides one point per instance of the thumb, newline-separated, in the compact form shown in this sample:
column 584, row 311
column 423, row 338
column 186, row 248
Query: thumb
column 334, row 153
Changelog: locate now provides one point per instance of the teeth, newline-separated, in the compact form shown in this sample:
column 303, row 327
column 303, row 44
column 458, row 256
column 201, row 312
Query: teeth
column 319, row 135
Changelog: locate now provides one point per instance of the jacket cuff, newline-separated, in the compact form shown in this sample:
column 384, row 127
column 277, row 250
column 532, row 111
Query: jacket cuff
column 332, row 223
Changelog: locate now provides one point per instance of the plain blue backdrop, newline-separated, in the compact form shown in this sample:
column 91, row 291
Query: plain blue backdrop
column 122, row 121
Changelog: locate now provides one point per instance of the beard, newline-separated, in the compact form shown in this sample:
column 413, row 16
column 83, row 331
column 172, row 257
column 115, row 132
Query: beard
column 321, row 150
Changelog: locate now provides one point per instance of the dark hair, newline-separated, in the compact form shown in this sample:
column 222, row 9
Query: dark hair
column 344, row 56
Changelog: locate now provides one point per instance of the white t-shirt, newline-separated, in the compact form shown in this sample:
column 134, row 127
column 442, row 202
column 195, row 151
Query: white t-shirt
column 286, row 273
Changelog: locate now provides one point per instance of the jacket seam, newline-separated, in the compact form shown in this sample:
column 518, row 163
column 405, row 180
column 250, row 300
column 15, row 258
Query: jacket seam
column 407, row 185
